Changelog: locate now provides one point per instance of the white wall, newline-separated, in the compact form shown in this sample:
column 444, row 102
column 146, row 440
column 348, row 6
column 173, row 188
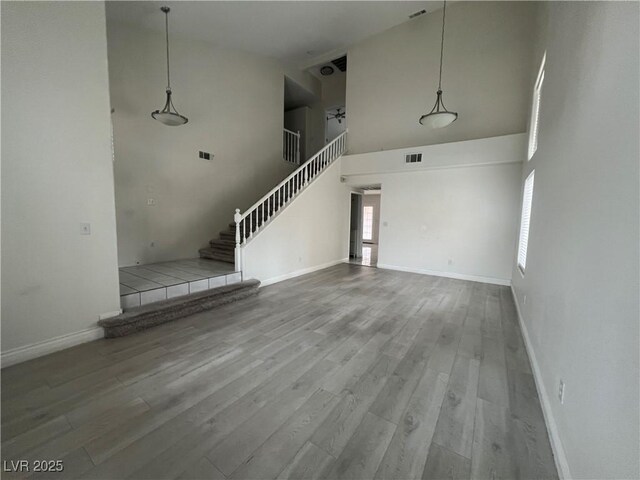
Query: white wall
column 455, row 214
column 309, row 234
column 334, row 89
column 392, row 77
column 234, row 102
column 581, row 281
column 56, row 173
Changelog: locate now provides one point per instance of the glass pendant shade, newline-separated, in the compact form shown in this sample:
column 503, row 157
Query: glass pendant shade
column 166, row 116
column 439, row 116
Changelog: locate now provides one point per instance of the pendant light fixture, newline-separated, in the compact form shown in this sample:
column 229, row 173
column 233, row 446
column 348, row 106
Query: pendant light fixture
column 168, row 115
column 439, row 116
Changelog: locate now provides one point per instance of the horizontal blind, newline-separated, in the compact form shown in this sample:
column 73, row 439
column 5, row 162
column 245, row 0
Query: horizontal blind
column 527, row 198
column 535, row 112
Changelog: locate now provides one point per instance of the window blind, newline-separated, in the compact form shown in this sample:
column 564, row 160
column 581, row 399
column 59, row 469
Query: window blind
column 527, row 198
column 535, row 112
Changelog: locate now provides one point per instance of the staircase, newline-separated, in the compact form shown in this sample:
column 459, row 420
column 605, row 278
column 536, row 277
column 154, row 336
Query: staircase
column 248, row 224
column 223, row 247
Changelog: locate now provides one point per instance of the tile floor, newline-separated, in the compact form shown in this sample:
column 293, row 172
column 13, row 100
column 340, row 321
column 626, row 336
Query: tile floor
column 144, row 284
column 369, row 256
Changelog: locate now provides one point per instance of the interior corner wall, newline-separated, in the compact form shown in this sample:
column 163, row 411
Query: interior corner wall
column 57, row 173
column 234, row 102
column 392, row 77
column 579, row 296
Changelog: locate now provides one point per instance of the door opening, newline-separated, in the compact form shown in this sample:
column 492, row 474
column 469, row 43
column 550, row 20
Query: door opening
column 365, row 226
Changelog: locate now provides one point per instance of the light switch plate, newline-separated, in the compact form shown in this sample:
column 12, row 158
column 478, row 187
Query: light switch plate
column 85, row 229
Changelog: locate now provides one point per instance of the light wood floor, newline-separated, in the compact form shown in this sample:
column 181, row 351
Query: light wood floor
column 350, row 372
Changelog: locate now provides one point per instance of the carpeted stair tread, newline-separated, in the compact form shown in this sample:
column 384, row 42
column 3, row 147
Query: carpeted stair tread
column 222, row 243
column 215, row 254
column 147, row 316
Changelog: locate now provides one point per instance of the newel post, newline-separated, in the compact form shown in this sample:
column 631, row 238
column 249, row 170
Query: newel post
column 238, row 218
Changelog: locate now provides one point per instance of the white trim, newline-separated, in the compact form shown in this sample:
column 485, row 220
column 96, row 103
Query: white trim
column 28, row 352
column 460, row 276
column 562, row 465
column 303, row 271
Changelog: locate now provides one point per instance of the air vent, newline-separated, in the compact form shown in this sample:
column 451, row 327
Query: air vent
column 417, row 14
column 341, row 63
column 413, row 158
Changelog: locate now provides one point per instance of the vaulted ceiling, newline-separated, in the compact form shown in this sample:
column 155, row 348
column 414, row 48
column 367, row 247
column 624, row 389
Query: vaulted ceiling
column 293, row 32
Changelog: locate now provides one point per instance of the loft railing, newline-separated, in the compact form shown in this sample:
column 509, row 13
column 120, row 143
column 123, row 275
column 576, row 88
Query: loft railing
column 249, row 223
column 291, row 146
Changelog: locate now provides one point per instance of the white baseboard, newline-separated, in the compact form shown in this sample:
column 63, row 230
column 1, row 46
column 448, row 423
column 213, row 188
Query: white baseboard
column 28, row 352
column 459, row 276
column 562, row 465
column 303, row 271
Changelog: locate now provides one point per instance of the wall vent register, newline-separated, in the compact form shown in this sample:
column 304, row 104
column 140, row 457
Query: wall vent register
column 413, row 158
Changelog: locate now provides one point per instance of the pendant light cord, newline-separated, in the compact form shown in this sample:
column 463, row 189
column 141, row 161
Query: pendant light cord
column 166, row 24
column 444, row 13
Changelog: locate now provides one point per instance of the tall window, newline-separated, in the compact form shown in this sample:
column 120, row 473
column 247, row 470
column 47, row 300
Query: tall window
column 527, row 198
column 367, row 220
column 535, row 111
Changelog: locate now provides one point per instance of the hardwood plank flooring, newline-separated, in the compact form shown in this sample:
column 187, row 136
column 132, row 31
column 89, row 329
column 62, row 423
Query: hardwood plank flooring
column 348, row 372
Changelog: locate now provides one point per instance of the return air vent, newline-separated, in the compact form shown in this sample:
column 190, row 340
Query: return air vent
column 413, row 158
column 417, row 14
column 341, row 63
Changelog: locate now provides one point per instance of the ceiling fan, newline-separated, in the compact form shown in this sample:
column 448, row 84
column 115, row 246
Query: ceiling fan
column 339, row 115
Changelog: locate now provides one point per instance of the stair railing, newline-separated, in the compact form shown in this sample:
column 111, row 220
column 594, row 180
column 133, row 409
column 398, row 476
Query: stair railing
column 291, row 146
column 249, row 222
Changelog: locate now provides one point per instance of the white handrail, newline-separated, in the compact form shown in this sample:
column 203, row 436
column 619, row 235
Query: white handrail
column 297, row 134
column 261, row 211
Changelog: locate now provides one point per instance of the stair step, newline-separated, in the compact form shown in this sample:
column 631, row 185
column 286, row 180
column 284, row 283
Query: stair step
column 231, row 236
column 141, row 318
column 213, row 254
column 223, row 243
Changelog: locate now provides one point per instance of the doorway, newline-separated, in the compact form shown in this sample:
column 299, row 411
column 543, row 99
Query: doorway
column 365, row 226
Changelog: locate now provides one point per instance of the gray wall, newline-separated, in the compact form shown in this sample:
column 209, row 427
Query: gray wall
column 579, row 293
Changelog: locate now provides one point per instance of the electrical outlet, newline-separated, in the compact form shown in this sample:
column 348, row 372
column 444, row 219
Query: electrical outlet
column 151, row 202
column 205, row 155
column 85, row 229
column 561, row 392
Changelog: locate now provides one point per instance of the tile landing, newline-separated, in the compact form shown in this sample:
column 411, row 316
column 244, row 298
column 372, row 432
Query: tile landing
column 144, row 284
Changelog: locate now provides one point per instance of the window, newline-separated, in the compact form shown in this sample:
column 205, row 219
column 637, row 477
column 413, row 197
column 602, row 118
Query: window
column 527, row 197
column 367, row 220
column 535, row 111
